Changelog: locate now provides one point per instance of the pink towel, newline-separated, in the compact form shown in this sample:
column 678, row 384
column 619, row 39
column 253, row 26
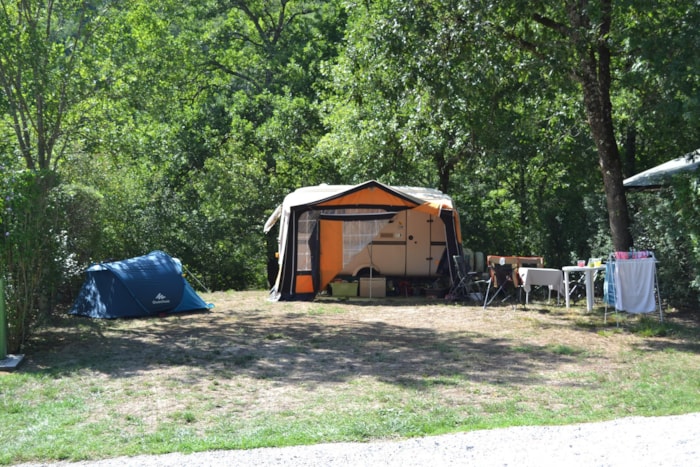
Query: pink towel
column 634, row 285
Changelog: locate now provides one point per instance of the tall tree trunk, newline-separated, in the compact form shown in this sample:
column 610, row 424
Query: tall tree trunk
column 610, row 167
column 595, row 76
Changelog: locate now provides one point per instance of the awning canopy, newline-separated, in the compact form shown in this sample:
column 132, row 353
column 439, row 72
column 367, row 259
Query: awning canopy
column 661, row 175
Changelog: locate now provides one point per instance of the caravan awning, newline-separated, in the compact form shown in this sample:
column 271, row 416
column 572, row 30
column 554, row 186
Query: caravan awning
column 323, row 228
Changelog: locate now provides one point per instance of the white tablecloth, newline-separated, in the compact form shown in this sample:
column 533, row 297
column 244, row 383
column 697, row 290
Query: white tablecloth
column 541, row 276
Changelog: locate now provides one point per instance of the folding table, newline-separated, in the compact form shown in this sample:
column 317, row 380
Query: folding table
column 589, row 271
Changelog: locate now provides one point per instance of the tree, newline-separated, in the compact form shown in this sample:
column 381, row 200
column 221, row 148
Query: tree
column 40, row 54
column 42, row 79
column 413, row 92
column 658, row 108
column 264, row 61
column 574, row 39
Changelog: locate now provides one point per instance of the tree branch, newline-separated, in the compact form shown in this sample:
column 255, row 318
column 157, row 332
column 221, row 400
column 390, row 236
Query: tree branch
column 220, row 66
column 561, row 29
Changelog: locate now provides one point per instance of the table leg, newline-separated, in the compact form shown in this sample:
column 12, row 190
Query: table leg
column 589, row 290
column 566, row 288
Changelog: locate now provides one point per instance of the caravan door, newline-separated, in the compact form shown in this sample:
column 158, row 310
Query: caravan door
column 418, row 244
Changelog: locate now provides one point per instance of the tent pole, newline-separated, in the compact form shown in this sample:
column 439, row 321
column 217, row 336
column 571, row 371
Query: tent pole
column 371, row 269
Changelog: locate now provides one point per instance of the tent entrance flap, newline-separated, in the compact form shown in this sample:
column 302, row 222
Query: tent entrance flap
column 343, row 236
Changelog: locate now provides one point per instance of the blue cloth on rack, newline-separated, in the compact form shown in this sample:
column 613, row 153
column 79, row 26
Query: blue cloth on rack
column 609, row 284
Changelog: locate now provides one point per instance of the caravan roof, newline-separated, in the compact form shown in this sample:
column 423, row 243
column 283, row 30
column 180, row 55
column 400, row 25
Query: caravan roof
column 313, row 194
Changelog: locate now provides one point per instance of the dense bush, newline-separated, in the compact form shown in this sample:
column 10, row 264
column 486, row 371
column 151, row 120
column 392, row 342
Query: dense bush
column 667, row 221
column 28, row 261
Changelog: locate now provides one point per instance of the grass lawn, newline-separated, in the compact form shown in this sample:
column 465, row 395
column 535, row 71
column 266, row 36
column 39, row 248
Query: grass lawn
column 251, row 373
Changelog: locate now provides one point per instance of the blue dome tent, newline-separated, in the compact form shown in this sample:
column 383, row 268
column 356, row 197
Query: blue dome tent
column 147, row 285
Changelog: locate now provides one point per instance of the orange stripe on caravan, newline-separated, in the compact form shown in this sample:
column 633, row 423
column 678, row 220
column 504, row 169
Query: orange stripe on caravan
column 369, row 196
column 304, row 284
column 434, row 208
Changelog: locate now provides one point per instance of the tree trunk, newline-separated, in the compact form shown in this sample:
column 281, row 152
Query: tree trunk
column 596, row 98
column 616, row 200
column 595, row 77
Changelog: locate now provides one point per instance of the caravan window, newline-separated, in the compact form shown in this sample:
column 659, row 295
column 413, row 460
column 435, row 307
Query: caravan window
column 360, row 233
column 307, row 224
column 360, row 227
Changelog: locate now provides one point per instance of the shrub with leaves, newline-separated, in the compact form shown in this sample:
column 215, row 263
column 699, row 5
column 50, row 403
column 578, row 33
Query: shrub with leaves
column 667, row 221
column 27, row 251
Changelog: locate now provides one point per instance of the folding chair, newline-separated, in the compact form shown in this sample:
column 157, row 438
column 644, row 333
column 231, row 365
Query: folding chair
column 467, row 286
column 502, row 278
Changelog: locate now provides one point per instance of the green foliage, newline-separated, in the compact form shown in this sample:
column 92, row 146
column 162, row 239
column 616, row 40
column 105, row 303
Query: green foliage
column 668, row 222
column 49, row 233
column 181, row 125
column 409, row 96
column 41, row 47
column 28, row 262
column 658, row 88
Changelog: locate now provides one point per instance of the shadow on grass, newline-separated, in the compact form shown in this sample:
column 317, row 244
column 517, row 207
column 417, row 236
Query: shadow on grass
column 297, row 348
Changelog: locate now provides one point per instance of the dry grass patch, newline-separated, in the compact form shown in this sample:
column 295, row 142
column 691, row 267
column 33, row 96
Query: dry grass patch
column 383, row 368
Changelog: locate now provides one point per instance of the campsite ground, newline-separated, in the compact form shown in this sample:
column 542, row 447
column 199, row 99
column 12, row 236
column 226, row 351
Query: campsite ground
column 252, row 373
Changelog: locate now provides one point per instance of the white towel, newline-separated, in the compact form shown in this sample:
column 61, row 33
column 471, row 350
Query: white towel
column 634, row 285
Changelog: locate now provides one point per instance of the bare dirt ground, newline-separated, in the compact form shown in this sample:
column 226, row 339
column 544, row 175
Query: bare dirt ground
column 248, row 357
column 252, row 354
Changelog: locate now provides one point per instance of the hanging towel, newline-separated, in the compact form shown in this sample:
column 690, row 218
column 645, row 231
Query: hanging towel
column 609, row 284
column 634, row 285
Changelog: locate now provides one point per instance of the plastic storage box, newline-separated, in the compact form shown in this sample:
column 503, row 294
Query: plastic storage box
column 344, row 289
column 375, row 285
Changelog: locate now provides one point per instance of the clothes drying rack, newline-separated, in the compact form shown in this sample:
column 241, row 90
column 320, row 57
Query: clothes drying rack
column 614, row 284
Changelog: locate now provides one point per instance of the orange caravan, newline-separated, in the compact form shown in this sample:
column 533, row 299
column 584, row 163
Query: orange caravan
column 371, row 229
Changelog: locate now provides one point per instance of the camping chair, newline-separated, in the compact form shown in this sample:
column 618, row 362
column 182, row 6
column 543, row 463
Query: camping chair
column 502, row 278
column 467, row 286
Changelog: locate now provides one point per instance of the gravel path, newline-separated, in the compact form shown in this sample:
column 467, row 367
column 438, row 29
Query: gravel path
column 635, row 441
